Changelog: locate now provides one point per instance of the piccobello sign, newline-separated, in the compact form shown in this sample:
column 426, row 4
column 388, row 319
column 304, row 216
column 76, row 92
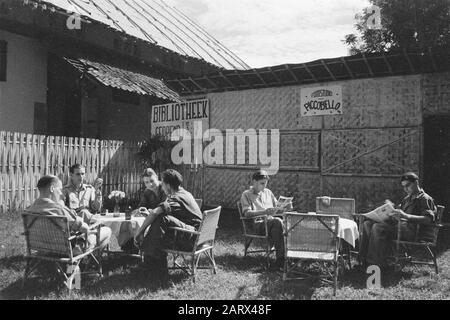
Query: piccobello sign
column 320, row 101
column 168, row 117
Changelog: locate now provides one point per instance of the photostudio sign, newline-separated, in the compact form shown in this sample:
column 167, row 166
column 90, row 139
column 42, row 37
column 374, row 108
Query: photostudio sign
column 320, row 101
column 168, row 117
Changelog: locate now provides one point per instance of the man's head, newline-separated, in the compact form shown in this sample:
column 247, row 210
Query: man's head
column 410, row 183
column 77, row 174
column 50, row 187
column 150, row 179
column 259, row 180
column 171, row 180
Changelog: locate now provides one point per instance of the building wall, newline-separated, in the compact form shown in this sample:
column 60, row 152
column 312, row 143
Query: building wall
column 26, row 82
column 359, row 154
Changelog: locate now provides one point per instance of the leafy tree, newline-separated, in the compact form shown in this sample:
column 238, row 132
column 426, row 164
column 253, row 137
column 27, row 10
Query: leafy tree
column 410, row 24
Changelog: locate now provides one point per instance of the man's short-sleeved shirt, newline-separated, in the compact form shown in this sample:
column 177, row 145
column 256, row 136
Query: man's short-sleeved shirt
column 83, row 197
column 420, row 204
column 257, row 201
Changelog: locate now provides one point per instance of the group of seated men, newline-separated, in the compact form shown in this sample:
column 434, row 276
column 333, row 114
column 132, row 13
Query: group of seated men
column 167, row 204
column 376, row 243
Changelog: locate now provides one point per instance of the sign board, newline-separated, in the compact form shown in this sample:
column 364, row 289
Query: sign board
column 320, row 101
column 166, row 118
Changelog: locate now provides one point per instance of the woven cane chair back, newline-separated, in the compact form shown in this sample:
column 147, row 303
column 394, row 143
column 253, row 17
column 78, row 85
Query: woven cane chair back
column 208, row 227
column 311, row 233
column 47, row 234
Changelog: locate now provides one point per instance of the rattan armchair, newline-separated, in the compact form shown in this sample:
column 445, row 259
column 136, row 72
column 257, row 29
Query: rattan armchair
column 311, row 237
column 402, row 249
column 204, row 244
column 48, row 238
column 250, row 234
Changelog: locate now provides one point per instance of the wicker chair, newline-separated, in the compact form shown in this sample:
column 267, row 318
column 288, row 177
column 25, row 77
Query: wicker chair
column 48, row 238
column 250, row 234
column 344, row 208
column 204, row 244
column 311, row 238
column 427, row 244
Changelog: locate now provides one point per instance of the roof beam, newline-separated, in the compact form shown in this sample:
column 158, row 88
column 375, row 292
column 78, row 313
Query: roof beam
column 243, row 79
column 291, row 73
column 388, row 64
column 211, row 82
column 184, row 86
column 367, row 64
column 196, row 84
column 309, row 72
column 228, row 80
column 260, row 78
column 433, row 63
column 275, row 76
column 328, row 69
column 347, row 67
column 405, row 54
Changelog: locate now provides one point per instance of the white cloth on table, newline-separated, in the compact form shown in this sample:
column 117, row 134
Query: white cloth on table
column 122, row 229
column 348, row 231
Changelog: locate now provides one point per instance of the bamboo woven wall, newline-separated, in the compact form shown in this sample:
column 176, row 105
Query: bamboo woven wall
column 24, row 158
column 359, row 154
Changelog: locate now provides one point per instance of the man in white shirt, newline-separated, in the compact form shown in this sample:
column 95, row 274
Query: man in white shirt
column 259, row 200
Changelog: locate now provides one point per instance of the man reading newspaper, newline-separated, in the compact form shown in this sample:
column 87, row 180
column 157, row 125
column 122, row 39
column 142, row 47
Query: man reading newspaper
column 380, row 227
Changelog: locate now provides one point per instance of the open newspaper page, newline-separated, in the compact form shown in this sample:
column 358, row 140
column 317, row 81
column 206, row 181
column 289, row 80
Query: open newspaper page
column 381, row 214
column 283, row 202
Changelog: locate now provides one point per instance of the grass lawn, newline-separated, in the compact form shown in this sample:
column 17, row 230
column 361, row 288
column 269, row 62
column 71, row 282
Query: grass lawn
column 237, row 277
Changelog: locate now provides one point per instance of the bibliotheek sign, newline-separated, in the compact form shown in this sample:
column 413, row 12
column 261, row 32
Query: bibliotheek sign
column 321, row 101
column 168, row 117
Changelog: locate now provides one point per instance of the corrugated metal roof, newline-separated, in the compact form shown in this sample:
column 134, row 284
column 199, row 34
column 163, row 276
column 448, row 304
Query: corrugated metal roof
column 123, row 79
column 394, row 63
column 153, row 21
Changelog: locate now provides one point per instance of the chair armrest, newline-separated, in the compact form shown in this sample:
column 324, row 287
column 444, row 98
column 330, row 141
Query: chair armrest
column 184, row 230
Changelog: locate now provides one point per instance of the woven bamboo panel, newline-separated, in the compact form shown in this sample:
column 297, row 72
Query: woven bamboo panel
column 269, row 108
column 300, row 150
column 436, row 93
column 225, row 186
column 386, row 102
column 375, row 151
column 367, row 192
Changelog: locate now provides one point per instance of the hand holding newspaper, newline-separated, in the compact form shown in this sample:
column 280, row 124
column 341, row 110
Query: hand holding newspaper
column 381, row 214
column 284, row 202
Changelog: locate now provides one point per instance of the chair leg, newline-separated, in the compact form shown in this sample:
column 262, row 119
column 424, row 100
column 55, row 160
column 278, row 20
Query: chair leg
column 248, row 242
column 211, row 257
column 433, row 256
column 336, row 272
column 193, row 268
column 27, row 269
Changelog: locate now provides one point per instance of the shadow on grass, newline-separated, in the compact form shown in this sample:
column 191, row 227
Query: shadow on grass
column 119, row 274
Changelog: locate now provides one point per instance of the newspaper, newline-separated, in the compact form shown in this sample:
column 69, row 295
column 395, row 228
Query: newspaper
column 283, row 202
column 381, row 214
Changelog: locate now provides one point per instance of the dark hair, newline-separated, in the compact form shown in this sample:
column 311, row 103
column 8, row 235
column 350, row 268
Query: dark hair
column 172, row 178
column 46, row 181
column 409, row 176
column 149, row 172
column 259, row 175
column 76, row 166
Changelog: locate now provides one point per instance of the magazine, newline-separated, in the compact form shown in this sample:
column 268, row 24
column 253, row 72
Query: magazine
column 381, row 214
column 283, row 202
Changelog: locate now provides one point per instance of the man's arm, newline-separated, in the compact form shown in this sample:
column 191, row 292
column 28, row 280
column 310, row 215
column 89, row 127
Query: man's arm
column 96, row 200
column 247, row 210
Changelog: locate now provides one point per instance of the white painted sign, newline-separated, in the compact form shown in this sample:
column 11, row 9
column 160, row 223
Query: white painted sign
column 168, row 117
column 321, row 101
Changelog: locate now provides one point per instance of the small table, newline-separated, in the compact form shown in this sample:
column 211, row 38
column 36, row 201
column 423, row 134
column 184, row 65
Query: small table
column 123, row 230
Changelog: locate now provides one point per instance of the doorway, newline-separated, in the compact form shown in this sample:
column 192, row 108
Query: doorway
column 437, row 160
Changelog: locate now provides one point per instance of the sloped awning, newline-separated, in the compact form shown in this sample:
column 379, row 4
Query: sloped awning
column 124, row 79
